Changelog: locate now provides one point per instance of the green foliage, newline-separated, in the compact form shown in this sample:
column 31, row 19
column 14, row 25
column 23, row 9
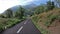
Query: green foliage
column 20, row 12
column 2, row 16
column 50, row 5
column 10, row 18
column 17, row 14
column 39, row 9
column 44, row 7
column 9, row 13
column 36, row 19
column 7, row 23
column 35, row 22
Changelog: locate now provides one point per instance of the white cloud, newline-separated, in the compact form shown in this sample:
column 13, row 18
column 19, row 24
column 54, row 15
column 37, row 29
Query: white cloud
column 5, row 4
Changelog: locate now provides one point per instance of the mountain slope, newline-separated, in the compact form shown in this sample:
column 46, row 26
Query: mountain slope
column 29, row 6
column 48, row 22
column 15, row 7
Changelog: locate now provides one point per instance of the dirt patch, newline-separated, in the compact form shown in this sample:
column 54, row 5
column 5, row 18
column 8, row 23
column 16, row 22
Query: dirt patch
column 55, row 27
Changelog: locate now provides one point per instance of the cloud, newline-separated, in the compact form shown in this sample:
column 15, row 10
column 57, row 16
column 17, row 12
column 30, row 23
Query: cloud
column 5, row 4
column 24, row 2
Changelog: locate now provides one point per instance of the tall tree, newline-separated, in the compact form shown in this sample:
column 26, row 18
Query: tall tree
column 20, row 12
column 50, row 5
column 9, row 13
column 39, row 9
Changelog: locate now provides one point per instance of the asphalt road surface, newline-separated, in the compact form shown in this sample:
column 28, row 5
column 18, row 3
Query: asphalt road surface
column 25, row 27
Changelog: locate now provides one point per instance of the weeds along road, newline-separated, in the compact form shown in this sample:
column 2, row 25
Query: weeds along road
column 25, row 27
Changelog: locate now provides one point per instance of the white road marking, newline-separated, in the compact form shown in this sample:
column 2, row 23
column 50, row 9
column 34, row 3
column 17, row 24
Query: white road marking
column 20, row 29
column 26, row 22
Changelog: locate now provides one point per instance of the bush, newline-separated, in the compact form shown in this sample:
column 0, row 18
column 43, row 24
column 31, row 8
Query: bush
column 7, row 23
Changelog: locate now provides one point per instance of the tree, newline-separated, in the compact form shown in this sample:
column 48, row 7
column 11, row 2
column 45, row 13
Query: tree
column 9, row 13
column 50, row 5
column 20, row 12
column 17, row 14
column 2, row 16
column 39, row 9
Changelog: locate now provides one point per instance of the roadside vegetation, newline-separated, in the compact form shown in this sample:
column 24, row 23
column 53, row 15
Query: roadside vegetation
column 44, row 20
column 45, row 17
column 7, row 23
column 10, row 18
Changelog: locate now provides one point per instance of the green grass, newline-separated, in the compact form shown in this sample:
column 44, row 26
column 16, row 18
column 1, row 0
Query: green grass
column 8, row 22
column 46, row 19
column 47, row 22
column 51, row 18
column 42, row 30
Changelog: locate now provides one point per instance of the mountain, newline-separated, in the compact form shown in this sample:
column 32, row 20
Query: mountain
column 29, row 6
column 15, row 7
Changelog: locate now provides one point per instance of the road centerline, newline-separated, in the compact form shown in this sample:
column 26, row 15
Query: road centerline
column 20, row 29
column 26, row 22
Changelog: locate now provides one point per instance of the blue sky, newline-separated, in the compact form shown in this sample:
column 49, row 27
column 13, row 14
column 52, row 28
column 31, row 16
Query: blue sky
column 5, row 4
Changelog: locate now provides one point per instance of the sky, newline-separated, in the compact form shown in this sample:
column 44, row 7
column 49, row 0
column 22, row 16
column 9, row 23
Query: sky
column 5, row 4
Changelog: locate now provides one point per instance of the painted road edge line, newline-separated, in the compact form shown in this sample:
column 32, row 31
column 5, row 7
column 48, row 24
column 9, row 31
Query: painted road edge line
column 20, row 29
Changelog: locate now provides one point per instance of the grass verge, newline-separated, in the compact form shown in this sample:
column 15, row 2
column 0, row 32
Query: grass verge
column 8, row 22
column 42, row 30
column 44, row 20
